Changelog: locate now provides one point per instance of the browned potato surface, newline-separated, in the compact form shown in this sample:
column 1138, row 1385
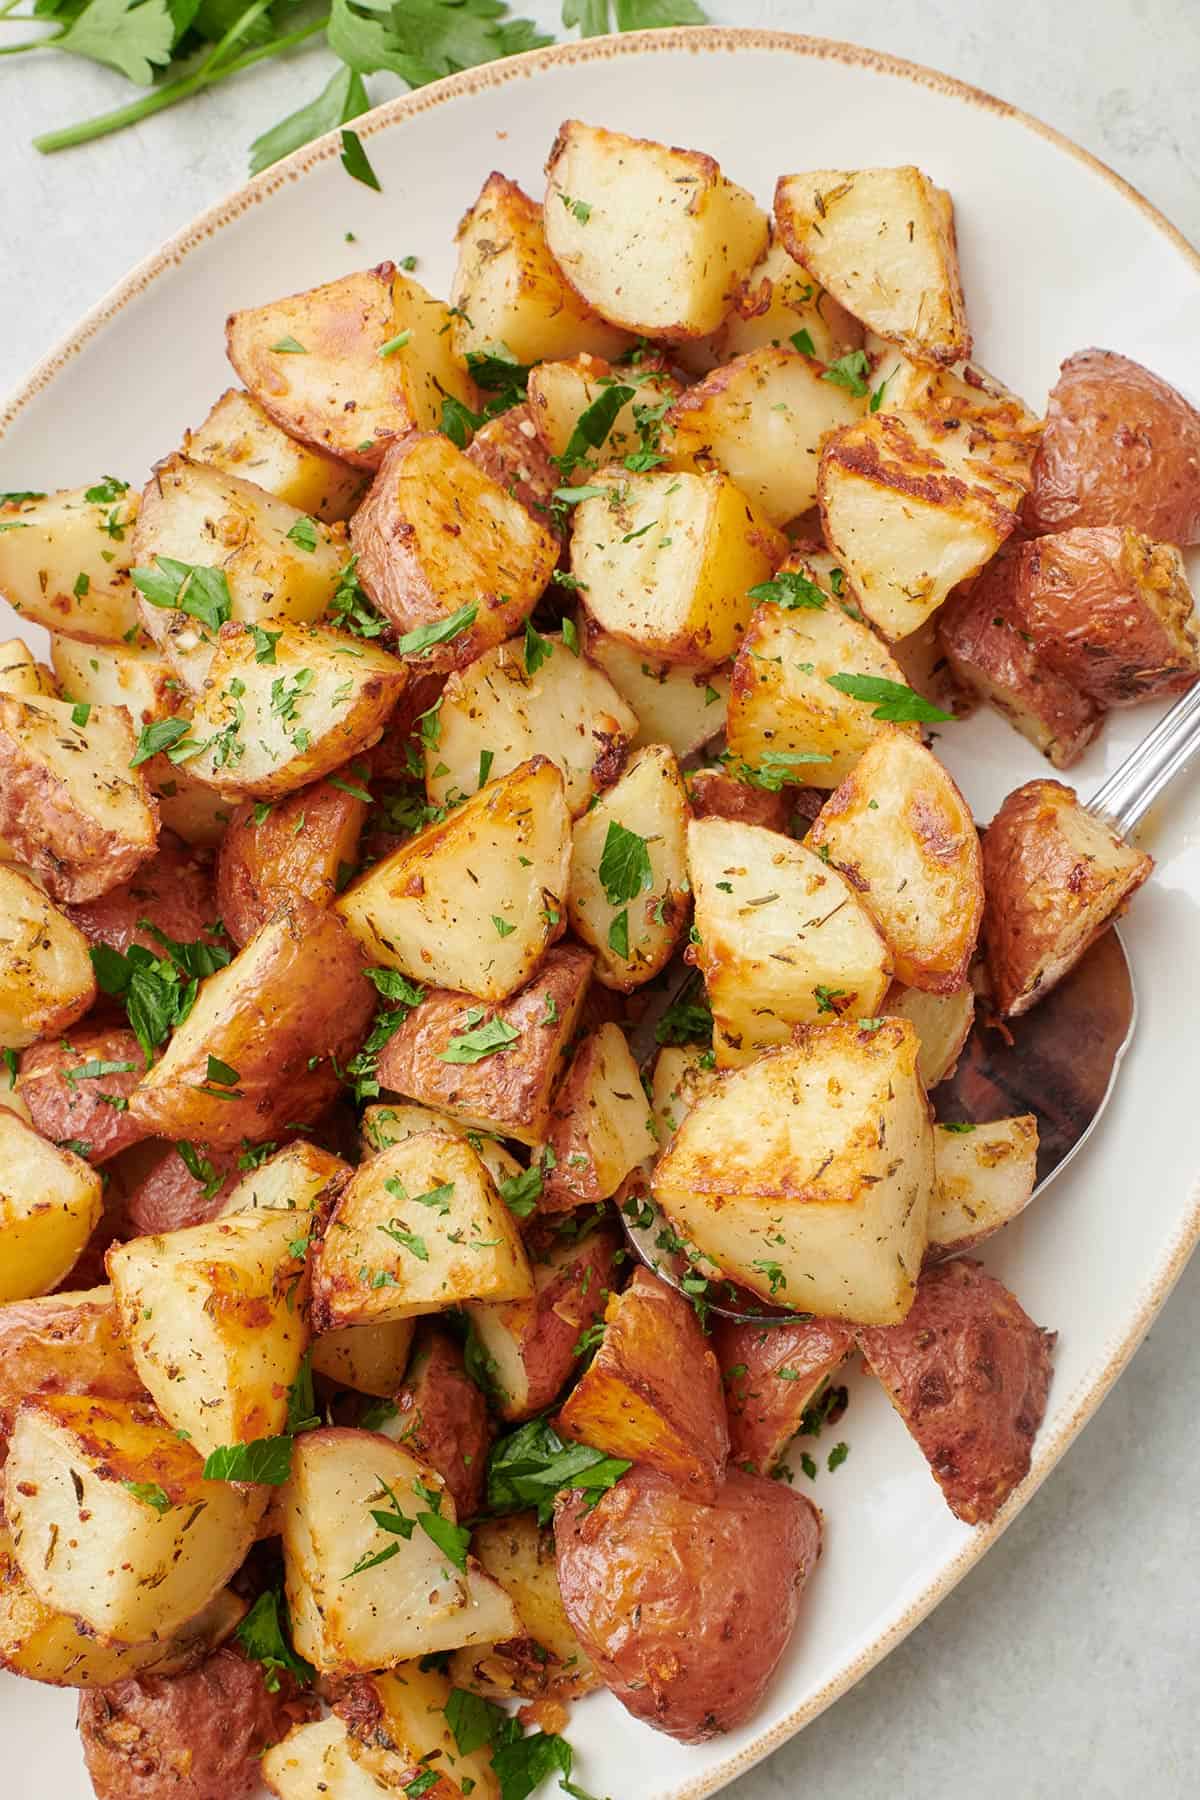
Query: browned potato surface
column 241, row 437
column 509, row 450
column 77, row 1090
column 715, row 795
column 304, row 844
column 46, row 976
column 983, row 1177
column 66, row 1343
column 771, row 1378
column 968, row 1372
column 550, row 1662
column 686, row 1609
column 600, row 1127
column 50, row 1203
column 443, row 1418
column 172, row 890
column 64, row 560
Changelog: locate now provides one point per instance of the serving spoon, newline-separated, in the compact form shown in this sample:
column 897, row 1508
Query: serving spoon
column 1059, row 1061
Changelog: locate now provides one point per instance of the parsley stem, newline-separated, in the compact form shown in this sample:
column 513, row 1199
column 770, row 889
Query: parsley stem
column 171, row 93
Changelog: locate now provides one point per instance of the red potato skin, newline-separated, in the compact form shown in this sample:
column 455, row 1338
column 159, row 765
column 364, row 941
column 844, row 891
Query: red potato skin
column 444, row 1418
column 67, row 1344
column 770, row 1379
column 1120, row 447
column 163, row 1196
column 173, row 890
column 968, row 1371
column 398, row 754
column 715, row 795
column 297, row 849
column 60, row 1110
column 547, row 1328
column 195, row 1736
column 685, row 1609
column 509, row 449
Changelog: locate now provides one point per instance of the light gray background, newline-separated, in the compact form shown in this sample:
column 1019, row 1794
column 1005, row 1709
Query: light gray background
column 1066, row 1662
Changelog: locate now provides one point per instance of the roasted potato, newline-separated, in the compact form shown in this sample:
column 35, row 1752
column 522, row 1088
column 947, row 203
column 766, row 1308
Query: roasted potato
column 352, row 365
column 66, row 1343
column 99, row 1495
column 685, row 1609
column 71, row 806
column 882, row 242
column 666, row 561
column 399, row 1734
column 901, row 833
column 562, row 392
column 301, row 1178
column 683, row 1074
column 77, row 1091
column 677, row 706
column 136, row 676
column 807, row 1175
column 65, row 559
column 508, row 1091
column 21, row 672
column 1120, row 447
column 942, row 1023
column 195, row 812
column 162, row 1192
column 370, row 1359
column 240, row 437
column 600, row 1124
column 383, row 1126
column 654, row 239
column 1055, row 877
column 550, row 1662
column 315, row 1759
column 442, row 1417
column 436, row 540
column 171, row 892
column 776, row 303
column 712, row 794
column 983, row 1176
column 509, row 451
column 50, row 1203
column 46, row 977
column 507, row 850
column 1006, row 432
column 968, row 1372
column 304, row 844
column 284, row 1015
column 771, row 1378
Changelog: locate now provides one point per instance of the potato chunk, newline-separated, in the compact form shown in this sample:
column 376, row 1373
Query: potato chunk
column 46, row 978
column 65, row 1343
column 776, row 302
column 314, row 363
column 172, row 892
column 903, row 836
column 99, row 1496
column 65, row 558
column 371, row 1359
column 305, row 844
column 653, row 238
column 683, row 1074
column 517, row 702
column 399, row 1734
column 215, row 1319
column 667, row 561
column 420, row 1227
column 301, row 1178
column 713, row 794
column 635, row 837
column 507, row 851
column 882, row 242
column 680, row 707
column 442, row 1416
column 561, row 392
column 50, row 1203
column 600, row 1127
column 240, row 437
column 1055, row 878
column 436, row 535
column 77, row 1091
column 1005, row 431
column 508, row 289
column 942, row 1023
column 807, row 1176
column 509, row 450
column 264, row 729
column 21, row 672
column 783, row 938
column 984, row 1175
column 771, row 1379
column 550, row 1663
column 383, row 1126
column 70, row 805
column 137, row 677
column 316, row 1759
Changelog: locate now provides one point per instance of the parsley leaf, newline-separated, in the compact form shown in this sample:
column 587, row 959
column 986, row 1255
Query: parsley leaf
column 350, row 607
column 850, row 371
column 594, row 424
column 625, row 870
column 472, row 1045
column 265, row 1637
column 452, row 1540
column 439, row 631
column 150, row 1494
column 192, row 588
column 521, row 1192
column 357, row 163
column 893, row 701
column 342, row 98
column 791, row 589
column 685, row 1021
column 303, row 534
column 131, row 36
column 531, row 1465
column 537, row 649
column 265, row 1460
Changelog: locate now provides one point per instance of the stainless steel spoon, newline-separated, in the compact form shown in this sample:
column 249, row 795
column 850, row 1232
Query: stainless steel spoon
column 1059, row 1061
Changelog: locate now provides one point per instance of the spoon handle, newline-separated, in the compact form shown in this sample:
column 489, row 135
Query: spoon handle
column 1131, row 790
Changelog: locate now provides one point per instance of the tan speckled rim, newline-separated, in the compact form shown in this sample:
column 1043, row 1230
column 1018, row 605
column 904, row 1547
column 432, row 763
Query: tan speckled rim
column 712, row 40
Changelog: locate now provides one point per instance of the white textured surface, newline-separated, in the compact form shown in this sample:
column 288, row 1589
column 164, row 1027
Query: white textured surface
column 1068, row 1657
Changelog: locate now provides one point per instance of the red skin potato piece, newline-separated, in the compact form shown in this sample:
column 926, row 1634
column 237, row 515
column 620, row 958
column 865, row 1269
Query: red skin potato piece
column 174, row 890
column 77, row 1109
column 771, row 1376
column 444, row 1419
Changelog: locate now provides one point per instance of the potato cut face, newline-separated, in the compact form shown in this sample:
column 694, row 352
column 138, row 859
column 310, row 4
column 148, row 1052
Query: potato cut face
column 677, row 706
column 50, row 1203
column 910, row 513
column 560, row 392
column 519, row 1554
column 508, row 289
column 437, row 535
column 65, row 559
column 903, row 836
column 826, row 1146
column 420, row 1227
column 264, row 729
column 942, row 1023
column 313, row 362
column 300, row 1178
column 653, row 238
column 240, row 437
column 628, row 898
column 683, row 1074
column 397, row 1720
column 600, row 1127
column 140, row 679
column 21, row 673
column 280, row 566
column 983, row 1176
column 155, row 1542
column 371, row 1359
column 783, row 708
column 666, row 561
column 784, row 938
column 882, row 242
column 777, row 300
column 316, row 1759
column 506, row 851
column 1005, row 432
column 215, row 1317
column 305, row 844
column 762, row 419
column 383, row 1126
column 46, row 977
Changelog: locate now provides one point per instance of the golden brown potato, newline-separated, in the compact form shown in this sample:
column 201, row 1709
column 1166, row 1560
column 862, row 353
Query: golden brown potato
column 771, row 1379
column 505, row 853
column 195, row 812
column 66, row 1343
column 652, row 1393
column 46, row 977
column 1120, row 447
column 550, row 1663
column 942, row 1023
column 313, row 361
column 370, row 1359
column 776, row 302
column 686, row 1609
column 984, row 1175
column 1055, row 878
column 968, row 1372
column 284, row 1016
column 683, row 1074
column 399, row 1734
column 22, row 673
column 532, row 1345
column 172, row 891
column 436, row 535
column 508, row 1091
column 315, row 1759
column 713, row 794
column 882, row 241
column 300, row 1178
column 50, row 1203
column 240, row 437
column 562, row 391
column 443, row 1418
column 382, row 1126
column 137, row 676
column 510, row 452
column 508, row 289
column 65, row 557
column 1004, row 430
column 785, row 1178
column 70, row 804
column 990, row 655
column 653, row 238
column 163, row 1193
column 304, row 844
column 1110, row 612
column 600, row 1126
column 901, row 833
column 77, row 1091
column 677, row 706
